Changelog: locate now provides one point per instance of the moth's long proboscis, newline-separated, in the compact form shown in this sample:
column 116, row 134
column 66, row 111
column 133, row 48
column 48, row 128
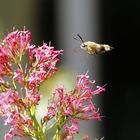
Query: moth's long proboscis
column 80, row 38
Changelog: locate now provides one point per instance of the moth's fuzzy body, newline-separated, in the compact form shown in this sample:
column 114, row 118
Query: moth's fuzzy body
column 93, row 48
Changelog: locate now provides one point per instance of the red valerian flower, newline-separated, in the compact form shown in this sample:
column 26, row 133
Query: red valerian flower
column 18, row 106
column 72, row 129
column 77, row 103
column 43, row 63
column 85, row 137
column 17, row 42
column 74, row 105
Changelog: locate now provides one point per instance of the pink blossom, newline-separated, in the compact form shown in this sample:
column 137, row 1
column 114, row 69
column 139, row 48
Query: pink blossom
column 17, row 42
column 5, row 66
column 13, row 109
column 50, row 114
column 33, row 99
column 72, row 129
column 11, row 134
column 43, row 64
column 19, row 77
column 76, row 104
column 9, row 98
column 85, row 137
column 79, row 102
column 12, row 48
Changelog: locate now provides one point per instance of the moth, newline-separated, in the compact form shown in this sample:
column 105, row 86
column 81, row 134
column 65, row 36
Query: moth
column 92, row 47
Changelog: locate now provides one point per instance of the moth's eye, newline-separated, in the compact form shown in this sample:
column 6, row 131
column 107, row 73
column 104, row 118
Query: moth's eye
column 83, row 45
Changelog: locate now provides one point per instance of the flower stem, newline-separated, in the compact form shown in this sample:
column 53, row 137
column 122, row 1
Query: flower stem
column 38, row 133
column 57, row 134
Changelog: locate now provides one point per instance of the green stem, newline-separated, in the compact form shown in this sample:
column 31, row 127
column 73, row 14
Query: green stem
column 60, row 123
column 57, row 134
column 14, row 84
column 38, row 133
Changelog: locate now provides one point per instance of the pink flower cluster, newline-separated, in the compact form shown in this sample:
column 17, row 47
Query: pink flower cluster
column 18, row 107
column 74, row 105
column 19, row 91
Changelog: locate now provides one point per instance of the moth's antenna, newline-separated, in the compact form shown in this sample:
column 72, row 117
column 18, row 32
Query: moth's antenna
column 76, row 39
column 80, row 39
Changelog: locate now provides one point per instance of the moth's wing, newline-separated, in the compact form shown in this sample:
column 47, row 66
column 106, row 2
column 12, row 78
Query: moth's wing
column 91, row 50
column 91, row 47
column 77, row 49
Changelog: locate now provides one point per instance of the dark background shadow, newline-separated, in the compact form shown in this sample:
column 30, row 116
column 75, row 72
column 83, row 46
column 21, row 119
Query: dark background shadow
column 121, row 27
